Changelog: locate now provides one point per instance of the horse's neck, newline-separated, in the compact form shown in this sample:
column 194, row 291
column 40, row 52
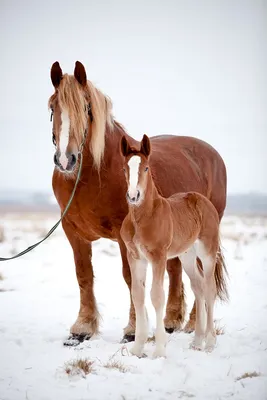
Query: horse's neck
column 112, row 143
column 145, row 210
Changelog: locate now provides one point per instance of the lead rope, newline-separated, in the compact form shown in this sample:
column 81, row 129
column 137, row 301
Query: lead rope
column 62, row 215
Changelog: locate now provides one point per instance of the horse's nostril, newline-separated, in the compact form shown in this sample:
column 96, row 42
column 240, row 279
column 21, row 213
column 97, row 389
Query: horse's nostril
column 56, row 162
column 138, row 195
column 73, row 159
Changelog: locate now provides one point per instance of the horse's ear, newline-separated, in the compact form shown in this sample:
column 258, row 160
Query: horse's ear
column 80, row 73
column 125, row 148
column 56, row 74
column 145, row 146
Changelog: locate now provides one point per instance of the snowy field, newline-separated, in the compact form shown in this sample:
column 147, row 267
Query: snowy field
column 39, row 300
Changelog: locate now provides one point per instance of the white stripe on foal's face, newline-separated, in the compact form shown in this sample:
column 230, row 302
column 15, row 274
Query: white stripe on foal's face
column 134, row 164
column 64, row 138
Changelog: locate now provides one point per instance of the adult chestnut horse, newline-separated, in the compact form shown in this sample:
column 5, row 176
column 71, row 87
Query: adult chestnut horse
column 82, row 114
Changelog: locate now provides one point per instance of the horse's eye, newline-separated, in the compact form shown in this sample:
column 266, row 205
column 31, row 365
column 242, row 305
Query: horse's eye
column 54, row 139
column 146, row 169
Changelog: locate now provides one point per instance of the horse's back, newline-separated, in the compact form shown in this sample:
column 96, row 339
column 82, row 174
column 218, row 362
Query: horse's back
column 184, row 163
column 194, row 217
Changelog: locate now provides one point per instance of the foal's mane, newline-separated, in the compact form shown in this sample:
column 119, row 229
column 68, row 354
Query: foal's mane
column 75, row 98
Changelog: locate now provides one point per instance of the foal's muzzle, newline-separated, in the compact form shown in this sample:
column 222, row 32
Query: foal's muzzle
column 72, row 159
column 135, row 199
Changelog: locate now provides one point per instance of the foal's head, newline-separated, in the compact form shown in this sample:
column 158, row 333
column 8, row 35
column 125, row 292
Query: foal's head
column 136, row 166
column 78, row 109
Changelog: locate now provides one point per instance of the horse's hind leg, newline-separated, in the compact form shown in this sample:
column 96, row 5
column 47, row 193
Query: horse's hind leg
column 190, row 266
column 176, row 307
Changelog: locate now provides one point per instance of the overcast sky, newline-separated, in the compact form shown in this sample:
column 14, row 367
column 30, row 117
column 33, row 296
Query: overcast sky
column 187, row 67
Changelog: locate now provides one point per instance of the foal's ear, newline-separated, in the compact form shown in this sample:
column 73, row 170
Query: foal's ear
column 80, row 73
column 56, row 74
column 125, row 148
column 145, row 146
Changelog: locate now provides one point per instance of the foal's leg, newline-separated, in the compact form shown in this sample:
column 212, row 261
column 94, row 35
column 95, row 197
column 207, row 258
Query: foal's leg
column 129, row 330
column 210, row 296
column 209, row 262
column 158, row 301
column 190, row 325
column 189, row 263
column 138, row 271
column 87, row 322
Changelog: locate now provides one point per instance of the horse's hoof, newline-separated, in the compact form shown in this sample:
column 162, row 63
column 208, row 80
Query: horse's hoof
column 75, row 339
column 169, row 330
column 128, row 338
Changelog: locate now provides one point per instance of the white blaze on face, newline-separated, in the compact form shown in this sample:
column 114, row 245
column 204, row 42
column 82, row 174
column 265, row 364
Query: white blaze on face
column 64, row 138
column 134, row 164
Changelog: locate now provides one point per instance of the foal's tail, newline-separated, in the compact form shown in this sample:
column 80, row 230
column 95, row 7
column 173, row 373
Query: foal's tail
column 221, row 275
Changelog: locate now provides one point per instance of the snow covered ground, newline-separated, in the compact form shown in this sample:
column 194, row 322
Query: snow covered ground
column 39, row 300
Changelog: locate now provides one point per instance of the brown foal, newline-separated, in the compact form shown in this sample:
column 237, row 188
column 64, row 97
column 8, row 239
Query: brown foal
column 157, row 229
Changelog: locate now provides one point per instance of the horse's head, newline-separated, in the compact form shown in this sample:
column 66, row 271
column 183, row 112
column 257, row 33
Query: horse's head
column 78, row 110
column 136, row 166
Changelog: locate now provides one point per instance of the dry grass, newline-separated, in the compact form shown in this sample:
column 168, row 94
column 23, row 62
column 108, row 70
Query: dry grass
column 112, row 363
column 1, row 277
column 115, row 364
column 81, row 366
column 248, row 375
column 151, row 339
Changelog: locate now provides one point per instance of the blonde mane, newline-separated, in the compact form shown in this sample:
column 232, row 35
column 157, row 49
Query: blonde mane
column 75, row 99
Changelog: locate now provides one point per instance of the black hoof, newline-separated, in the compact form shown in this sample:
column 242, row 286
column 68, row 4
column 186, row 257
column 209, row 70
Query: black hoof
column 128, row 338
column 169, row 330
column 74, row 339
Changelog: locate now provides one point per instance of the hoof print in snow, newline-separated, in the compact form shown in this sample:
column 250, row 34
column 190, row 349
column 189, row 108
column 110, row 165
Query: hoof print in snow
column 75, row 339
column 128, row 338
column 143, row 355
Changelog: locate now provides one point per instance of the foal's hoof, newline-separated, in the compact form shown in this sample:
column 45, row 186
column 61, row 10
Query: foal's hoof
column 128, row 338
column 75, row 339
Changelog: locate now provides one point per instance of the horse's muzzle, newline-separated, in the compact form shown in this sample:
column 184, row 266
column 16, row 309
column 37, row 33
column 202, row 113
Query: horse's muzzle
column 135, row 199
column 72, row 160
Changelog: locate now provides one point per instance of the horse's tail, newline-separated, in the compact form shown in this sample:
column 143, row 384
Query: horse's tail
column 221, row 275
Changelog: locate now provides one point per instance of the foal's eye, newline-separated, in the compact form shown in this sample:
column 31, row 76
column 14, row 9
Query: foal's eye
column 146, row 169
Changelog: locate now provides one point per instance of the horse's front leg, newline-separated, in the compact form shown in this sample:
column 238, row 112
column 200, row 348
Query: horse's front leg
column 176, row 307
column 129, row 330
column 87, row 322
